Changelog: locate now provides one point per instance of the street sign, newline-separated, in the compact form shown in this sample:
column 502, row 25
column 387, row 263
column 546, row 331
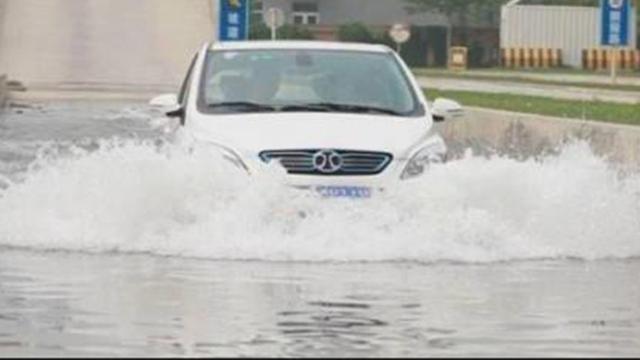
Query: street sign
column 274, row 18
column 615, row 22
column 234, row 20
column 400, row 33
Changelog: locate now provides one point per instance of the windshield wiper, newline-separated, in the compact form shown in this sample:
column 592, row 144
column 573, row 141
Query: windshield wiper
column 305, row 107
column 242, row 105
column 340, row 108
column 323, row 107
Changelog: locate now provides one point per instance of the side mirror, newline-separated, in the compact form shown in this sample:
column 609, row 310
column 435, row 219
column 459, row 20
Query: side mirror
column 445, row 109
column 169, row 104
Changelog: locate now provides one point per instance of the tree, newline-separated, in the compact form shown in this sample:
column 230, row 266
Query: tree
column 451, row 8
column 637, row 3
column 562, row 2
column 461, row 12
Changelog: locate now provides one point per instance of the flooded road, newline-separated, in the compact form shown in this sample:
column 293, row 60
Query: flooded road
column 115, row 243
column 76, row 304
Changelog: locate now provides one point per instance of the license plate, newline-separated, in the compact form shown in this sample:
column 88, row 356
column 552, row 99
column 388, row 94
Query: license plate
column 353, row 192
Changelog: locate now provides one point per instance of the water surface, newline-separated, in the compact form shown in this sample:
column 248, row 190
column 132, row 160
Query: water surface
column 114, row 242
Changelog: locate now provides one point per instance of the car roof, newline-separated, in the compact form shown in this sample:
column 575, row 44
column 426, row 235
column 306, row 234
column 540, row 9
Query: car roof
column 296, row 45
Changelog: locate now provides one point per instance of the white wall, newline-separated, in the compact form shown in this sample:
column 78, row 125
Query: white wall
column 102, row 42
column 569, row 28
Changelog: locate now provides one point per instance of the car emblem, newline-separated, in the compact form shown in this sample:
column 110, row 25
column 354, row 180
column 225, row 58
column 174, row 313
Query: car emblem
column 327, row 161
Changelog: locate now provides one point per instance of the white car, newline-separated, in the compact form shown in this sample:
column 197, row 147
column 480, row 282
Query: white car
column 346, row 120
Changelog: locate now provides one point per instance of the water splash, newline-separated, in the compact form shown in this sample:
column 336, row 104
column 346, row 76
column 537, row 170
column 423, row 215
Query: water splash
column 137, row 196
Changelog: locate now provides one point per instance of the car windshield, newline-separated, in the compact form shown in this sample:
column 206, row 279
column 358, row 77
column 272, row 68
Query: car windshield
column 305, row 80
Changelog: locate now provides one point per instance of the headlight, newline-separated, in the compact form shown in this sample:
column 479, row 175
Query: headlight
column 434, row 152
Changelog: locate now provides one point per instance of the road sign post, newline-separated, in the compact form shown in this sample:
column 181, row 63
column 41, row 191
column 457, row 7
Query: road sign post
column 615, row 27
column 233, row 20
column 274, row 18
column 400, row 33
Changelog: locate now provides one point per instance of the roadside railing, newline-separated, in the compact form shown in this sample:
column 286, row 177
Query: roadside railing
column 531, row 57
column 599, row 59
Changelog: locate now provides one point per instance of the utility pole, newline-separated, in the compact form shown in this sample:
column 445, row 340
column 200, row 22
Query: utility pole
column 215, row 17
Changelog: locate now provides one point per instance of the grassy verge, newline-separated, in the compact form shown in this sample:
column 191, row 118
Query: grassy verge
column 575, row 109
column 520, row 77
column 540, row 71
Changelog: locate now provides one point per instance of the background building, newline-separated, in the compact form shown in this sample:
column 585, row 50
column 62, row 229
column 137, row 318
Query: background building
column 431, row 32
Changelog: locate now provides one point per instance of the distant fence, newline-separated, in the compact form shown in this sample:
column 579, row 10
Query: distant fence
column 570, row 28
column 531, row 57
column 596, row 59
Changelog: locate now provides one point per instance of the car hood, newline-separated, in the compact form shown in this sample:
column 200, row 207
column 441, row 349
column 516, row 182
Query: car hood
column 257, row 132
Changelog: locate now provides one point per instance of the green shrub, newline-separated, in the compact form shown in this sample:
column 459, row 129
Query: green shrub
column 355, row 32
column 358, row 32
column 260, row 31
column 384, row 39
column 294, row 32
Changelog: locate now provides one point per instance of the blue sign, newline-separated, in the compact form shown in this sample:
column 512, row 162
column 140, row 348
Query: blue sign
column 615, row 22
column 234, row 20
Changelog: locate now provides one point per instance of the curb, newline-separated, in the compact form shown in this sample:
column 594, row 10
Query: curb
column 504, row 114
column 526, row 135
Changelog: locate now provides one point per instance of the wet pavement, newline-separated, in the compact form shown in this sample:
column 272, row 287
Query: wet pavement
column 531, row 89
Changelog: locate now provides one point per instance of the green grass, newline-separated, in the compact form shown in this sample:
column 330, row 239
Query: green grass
column 520, row 77
column 575, row 109
column 551, row 70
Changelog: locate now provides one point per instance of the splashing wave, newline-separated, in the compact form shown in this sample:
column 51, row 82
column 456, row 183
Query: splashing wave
column 137, row 197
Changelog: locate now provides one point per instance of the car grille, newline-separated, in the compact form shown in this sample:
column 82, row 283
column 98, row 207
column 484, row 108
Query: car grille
column 354, row 163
